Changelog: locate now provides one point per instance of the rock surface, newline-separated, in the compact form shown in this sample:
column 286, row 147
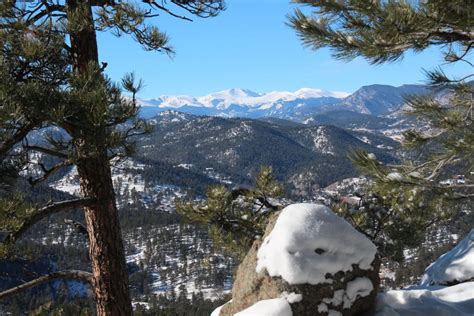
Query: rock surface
column 347, row 292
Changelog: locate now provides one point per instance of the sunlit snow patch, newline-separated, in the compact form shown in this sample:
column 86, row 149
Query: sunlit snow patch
column 435, row 301
column 272, row 307
column 457, row 265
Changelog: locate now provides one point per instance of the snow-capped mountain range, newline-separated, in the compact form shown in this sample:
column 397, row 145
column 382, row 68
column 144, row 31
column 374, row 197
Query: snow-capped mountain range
column 243, row 102
column 378, row 100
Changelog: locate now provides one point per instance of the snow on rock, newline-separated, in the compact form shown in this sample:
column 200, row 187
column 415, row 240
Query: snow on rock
column 328, row 267
column 310, row 241
column 455, row 266
column 359, row 287
column 434, row 301
column 272, row 307
column 292, row 297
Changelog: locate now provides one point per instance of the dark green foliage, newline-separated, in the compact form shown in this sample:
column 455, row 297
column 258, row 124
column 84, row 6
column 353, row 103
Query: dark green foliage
column 51, row 79
column 382, row 31
column 403, row 200
column 234, row 148
column 389, row 221
column 235, row 217
column 350, row 119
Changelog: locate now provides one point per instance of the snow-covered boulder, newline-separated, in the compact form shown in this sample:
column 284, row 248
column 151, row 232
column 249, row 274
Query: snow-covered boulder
column 310, row 262
column 455, row 266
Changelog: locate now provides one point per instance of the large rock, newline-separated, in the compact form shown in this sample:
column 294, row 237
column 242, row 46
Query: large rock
column 314, row 260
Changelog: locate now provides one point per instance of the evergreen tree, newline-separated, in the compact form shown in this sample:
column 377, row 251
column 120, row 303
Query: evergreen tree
column 236, row 217
column 51, row 77
column 406, row 198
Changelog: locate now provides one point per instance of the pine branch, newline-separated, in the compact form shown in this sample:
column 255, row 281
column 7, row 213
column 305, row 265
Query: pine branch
column 46, row 151
column 439, row 168
column 240, row 191
column 16, row 138
column 168, row 11
column 46, row 211
column 48, row 11
column 77, row 226
column 59, row 275
column 49, row 172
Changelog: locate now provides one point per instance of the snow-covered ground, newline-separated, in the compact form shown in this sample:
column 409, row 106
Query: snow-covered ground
column 129, row 186
column 177, row 258
column 456, row 300
column 457, row 265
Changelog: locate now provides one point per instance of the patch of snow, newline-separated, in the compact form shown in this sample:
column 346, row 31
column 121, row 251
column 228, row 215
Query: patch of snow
column 455, row 265
column 371, row 156
column 310, row 241
column 322, row 308
column 146, row 305
column 185, row 165
column 394, row 176
column 359, row 287
column 365, row 139
column 434, row 301
column 319, row 138
column 292, row 297
column 272, row 307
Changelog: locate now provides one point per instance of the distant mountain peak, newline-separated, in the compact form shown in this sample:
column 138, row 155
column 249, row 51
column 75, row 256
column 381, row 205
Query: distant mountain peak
column 307, row 93
column 240, row 97
column 241, row 92
column 300, row 105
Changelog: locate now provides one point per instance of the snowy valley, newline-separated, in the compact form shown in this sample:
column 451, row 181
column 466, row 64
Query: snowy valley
column 224, row 138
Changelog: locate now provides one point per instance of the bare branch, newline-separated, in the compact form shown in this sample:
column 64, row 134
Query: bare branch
column 46, row 211
column 59, row 275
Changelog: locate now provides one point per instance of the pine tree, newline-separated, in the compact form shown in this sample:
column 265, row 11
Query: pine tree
column 235, row 217
column 408, row 197
column 51, row 76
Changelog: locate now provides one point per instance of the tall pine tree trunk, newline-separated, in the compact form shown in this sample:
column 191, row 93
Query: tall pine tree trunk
column 110, row 278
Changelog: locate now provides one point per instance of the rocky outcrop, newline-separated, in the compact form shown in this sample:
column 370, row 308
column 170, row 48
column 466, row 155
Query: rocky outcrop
column 296, row 230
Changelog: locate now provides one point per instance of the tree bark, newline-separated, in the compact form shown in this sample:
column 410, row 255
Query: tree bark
column 110, row 278
column 109, row 270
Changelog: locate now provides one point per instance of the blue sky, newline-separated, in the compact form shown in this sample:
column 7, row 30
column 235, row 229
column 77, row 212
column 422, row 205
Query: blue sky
column 248, row 46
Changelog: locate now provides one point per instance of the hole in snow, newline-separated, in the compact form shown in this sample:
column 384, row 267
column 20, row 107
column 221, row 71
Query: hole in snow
column 320, row 251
